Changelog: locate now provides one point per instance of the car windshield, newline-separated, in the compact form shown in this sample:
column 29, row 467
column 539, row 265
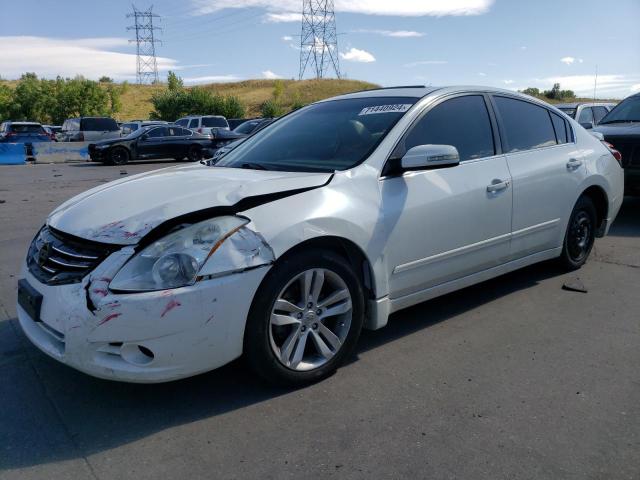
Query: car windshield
column 327, row 136
column 626, row 111
column 214, row 122
column 26, row 128
column 247, row 127
column 569, row 111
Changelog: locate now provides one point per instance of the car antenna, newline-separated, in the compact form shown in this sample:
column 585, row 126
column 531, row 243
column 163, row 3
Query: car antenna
column 595, row 85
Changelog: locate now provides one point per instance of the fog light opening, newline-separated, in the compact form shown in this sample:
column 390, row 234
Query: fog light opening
column 137, row 354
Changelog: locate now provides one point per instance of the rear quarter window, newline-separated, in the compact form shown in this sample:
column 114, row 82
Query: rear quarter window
column 525, row 126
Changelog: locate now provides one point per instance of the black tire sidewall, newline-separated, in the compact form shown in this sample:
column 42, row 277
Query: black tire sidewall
column 585, row 204
column 119, row 149
column 257, row 347
column 194, row 154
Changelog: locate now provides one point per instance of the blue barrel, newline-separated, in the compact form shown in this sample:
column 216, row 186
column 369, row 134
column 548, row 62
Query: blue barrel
column 12, row 154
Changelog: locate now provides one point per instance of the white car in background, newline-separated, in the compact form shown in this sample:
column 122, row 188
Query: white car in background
column 204, row 124
column 325, row 222
column 587, row 114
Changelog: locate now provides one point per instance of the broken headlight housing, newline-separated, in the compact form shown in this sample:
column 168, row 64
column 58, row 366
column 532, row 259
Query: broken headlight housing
column 176, row 259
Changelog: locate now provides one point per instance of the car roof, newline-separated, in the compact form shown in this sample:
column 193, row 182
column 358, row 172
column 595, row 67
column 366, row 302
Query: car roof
column 423, row 91
column 577, row 104
column 24, row 123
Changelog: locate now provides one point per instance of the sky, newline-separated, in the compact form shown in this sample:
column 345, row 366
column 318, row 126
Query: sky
column 503, row 43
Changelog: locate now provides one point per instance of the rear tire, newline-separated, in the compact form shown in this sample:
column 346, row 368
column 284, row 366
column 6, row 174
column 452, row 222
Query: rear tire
column 119, row 156
column 194, row 154
column 580, row 234
column 326, row 326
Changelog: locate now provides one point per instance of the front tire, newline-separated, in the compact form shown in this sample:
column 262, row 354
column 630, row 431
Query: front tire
column 305, row 319
column 580, row 234
column 119, row 156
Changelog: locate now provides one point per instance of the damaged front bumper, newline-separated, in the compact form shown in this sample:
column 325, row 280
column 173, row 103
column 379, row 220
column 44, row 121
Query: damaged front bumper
column 142, row 337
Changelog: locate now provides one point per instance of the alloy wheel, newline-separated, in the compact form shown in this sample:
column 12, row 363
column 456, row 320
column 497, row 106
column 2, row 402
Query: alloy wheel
column 580, row 236
column 310, row 319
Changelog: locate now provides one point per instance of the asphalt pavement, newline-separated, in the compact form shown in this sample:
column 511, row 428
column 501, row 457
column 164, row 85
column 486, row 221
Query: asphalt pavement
column 515, row 378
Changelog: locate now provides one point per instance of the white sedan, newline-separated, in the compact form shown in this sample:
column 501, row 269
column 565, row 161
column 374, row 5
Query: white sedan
column 324, row 223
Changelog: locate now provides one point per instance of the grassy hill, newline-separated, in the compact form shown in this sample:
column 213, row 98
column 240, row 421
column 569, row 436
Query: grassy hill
column 136, row 100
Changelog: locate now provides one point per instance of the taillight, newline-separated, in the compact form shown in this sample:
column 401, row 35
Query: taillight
column 200, row 130
column 616, row 154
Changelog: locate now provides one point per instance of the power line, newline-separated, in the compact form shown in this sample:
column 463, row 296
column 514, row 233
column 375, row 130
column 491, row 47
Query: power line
column 147, row 66
column 319, row 40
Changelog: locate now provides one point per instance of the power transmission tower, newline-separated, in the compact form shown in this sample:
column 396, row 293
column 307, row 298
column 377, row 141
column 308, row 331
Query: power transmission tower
column 147, row 67
column 319, row 40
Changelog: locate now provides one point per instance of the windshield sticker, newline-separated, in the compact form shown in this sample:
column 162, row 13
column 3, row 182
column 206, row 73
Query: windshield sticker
column 394, row 108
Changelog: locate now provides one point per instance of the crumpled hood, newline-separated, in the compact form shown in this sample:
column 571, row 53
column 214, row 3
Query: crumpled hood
column 124, row 211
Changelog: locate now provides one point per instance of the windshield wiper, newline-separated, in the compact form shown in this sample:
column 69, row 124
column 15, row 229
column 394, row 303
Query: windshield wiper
column 253, row 166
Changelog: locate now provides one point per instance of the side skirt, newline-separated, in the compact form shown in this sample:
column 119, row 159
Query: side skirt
column 381, row 308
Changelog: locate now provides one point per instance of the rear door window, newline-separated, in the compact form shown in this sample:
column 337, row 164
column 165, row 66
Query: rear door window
column 462, row 122
column 524, row 125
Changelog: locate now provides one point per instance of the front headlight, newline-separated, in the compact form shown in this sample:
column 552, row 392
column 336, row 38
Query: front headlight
column 175, row 260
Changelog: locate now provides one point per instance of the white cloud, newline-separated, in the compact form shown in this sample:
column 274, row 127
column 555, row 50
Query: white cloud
column 425, row 62
column 211, row 79
column 582, row 85
column 567, row 60
column 356, row 55
column 523, row 47
column 90, row 57
column 407, row 8
column 282, row 17
column 268, row 74
column 287, row 38
column 508, row 82
column 635, row 88
column 482, row 74
column 392, row 33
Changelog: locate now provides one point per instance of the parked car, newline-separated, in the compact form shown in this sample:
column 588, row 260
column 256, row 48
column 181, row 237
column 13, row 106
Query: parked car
column 205, row 124
column 23, row 132
column 222, row 138
column 53, row 131
column 586, row 114
column 88, row 129
column 152, row 142
column 133, row 125
column 236, row 122
column 318, row 225
column 621, row 128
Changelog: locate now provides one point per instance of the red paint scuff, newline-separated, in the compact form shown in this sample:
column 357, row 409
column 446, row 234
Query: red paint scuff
column 170, row 306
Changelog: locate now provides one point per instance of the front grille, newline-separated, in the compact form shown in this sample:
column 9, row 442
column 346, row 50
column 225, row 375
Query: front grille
column 55, row 258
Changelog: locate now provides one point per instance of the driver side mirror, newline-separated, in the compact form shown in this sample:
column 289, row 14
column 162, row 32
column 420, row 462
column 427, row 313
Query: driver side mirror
column 587, row 125
column 430, row 156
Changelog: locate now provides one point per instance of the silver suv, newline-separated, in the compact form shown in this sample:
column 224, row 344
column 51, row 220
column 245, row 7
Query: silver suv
column 204, row 124
column 88, row 129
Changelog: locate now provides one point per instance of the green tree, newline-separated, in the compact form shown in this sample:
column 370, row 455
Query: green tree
column 233, row 107
column 554, row 93
column 6, row 102
column 105, row 79
column 271, row 108
column 174, row 82
column 534, row 92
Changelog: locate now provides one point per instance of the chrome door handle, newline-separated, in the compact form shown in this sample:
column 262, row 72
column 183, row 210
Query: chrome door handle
column 498, row 185
column 573, row 164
